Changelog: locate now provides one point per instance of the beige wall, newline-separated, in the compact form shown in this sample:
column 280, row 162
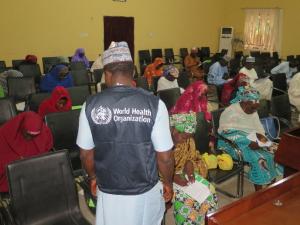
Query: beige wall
column 58, row 27
column 290, row 20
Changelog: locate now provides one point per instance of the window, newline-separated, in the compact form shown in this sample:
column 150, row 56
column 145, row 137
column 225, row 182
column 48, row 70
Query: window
column 262, row 29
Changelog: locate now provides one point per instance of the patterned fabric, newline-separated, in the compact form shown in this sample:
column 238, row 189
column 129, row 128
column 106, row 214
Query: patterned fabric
column 246, row 94
column 187, row 151
column 188, row 211
column 117, row 52
column 79, row 56
column 171, row 70
column 263, row 169
column 154, row 69
column 184, row 123
column 193, row 99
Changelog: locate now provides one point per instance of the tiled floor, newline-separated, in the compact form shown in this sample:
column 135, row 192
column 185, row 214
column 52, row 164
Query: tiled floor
column 229, row 186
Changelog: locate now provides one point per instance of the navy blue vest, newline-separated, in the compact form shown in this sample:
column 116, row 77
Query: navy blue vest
column 121, row 119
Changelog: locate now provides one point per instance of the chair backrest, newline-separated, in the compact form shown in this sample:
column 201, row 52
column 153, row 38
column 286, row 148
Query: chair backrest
column 64, row 127
column 97, row 74
column 259, row 71
column 80, row 77
column 79, row 94
column 183, row 80
column 212, row 94
column 42, row 188
column 205, row 51
column 265, row 54
column 275, row 55
column 264, row 108
column 202, row 133
column 49, row 62
column 255, row 53
column 280, row 106
column 216, row 114
column 279, row 81
column 34, row 100
column 238, row 55
column 7, row 109
column 183, row 52
column 77, row 66
column 290, row 58
column 20, row 87
column 156, row 53
column 169, row 96
column 144, row 57
column 16, row 63
column 2, row 66
column 142, row 83
column 169, row 55
column 224, row 52
column 31, row 70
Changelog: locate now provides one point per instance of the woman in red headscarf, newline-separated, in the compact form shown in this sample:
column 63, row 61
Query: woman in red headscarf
column 59, row 101
column 231, row 86
column 193, row 99
column 22, row 137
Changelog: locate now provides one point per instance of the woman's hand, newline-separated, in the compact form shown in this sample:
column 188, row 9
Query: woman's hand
column 189, row 171
column 254, row 145
column 180, row 180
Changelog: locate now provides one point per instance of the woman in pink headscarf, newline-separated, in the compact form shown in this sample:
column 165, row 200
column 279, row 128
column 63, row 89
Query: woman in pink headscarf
column 193, row 99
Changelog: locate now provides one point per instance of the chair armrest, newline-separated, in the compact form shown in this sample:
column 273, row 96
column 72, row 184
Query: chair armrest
column 234, row 146
column 285, row 122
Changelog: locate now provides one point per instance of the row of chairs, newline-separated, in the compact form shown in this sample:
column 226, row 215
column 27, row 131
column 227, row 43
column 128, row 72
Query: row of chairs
column 8, row 109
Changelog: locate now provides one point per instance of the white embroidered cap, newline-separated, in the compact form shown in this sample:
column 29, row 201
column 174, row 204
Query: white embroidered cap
column 117, row 52
column 250, row 59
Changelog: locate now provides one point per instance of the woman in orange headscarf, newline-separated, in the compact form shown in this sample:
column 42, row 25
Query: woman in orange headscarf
column 154, row 69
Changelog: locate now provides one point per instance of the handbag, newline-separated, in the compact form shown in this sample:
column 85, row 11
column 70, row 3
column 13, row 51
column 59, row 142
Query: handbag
column 271, row 126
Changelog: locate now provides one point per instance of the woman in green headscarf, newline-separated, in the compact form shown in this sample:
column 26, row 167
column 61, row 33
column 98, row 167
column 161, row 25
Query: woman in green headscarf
column 240, row 123
column 190, row 169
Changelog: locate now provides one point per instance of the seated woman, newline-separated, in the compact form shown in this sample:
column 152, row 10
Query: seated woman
column 58, row 76
column 5, row 75
column 192, row 64
column 193, row 99
column 154, row 69
column 79, row 56
column 189, row 168
column 294, row 92
column 230, row 88
column 59, row 101
column 169, row 79
column 237, row 122
column 22, row 137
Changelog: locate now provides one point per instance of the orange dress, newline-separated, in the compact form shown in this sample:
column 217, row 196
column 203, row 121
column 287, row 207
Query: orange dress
column 152, row 70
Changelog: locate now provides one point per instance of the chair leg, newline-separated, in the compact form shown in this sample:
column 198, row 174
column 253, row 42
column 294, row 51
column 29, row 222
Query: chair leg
column 240, row 187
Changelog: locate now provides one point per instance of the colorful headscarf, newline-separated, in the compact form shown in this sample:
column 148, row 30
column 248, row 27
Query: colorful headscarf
column 246, row 94
column 171, row 70
column 193, row 99
column 184, row 122
column 79, row 56
column 51, row 79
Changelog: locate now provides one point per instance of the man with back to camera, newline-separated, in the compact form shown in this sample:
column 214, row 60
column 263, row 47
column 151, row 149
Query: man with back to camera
column 124, row 137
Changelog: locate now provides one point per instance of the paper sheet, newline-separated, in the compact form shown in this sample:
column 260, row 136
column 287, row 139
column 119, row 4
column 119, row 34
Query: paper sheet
column 197, row 191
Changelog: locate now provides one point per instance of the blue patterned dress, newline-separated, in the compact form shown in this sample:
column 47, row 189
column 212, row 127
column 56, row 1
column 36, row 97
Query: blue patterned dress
column 263, row 169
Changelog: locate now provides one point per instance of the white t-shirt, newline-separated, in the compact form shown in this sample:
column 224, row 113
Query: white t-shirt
column 160, row 135
column 164, row 83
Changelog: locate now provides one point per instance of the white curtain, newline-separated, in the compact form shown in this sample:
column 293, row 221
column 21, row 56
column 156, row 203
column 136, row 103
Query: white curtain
column 261, row 29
